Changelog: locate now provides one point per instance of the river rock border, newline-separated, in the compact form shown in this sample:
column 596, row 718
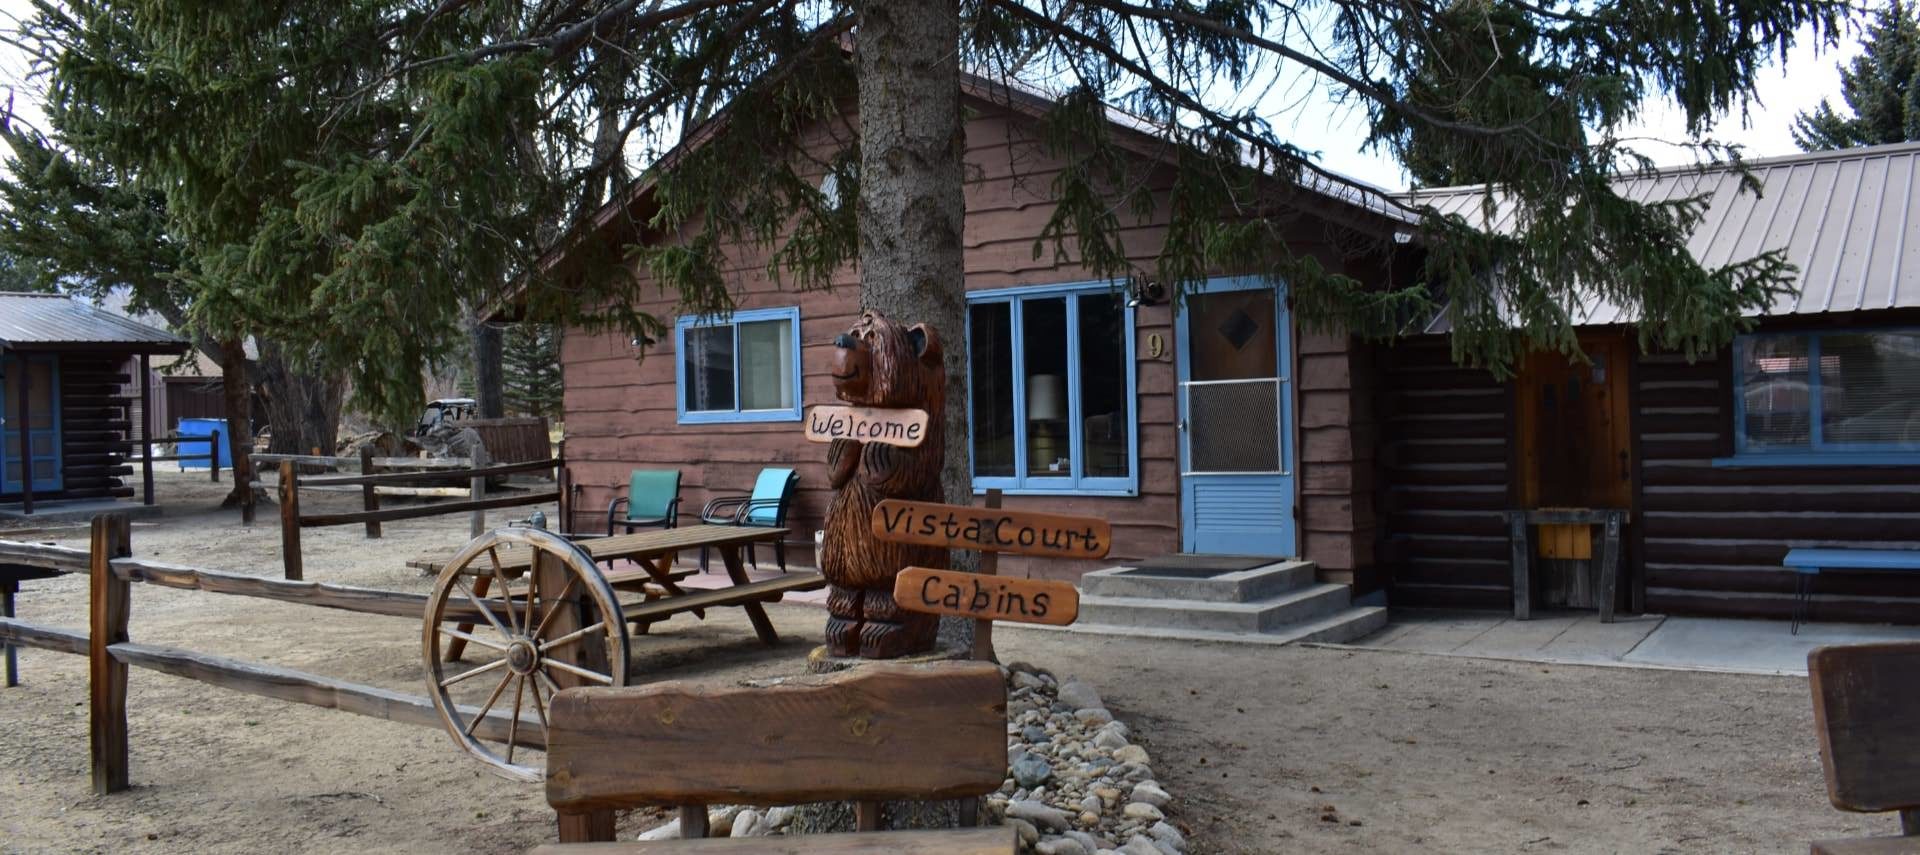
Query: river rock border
column 1076, row 784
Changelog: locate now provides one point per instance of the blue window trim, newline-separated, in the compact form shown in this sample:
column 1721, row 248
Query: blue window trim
column 1076, row 483
column 790, row 314
column 1820, row 452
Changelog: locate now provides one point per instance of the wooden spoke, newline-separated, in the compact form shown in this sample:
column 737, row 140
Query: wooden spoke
column 473, row 672
column 585, row 630
column 578, row 671
column 513, row 724
column 555, row 608
column 552, row 687
column 472, row 639
column 484, row 611
column 539, row 707
column 506, row 591
column 488, row 706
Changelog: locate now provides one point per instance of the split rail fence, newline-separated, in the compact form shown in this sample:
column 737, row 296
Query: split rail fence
column 110, row 651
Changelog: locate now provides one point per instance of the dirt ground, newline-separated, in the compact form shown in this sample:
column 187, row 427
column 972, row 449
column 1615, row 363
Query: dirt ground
column 1265, row 749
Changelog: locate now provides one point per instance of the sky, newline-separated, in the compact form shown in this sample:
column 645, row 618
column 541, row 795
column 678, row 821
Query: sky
column 1313, row 122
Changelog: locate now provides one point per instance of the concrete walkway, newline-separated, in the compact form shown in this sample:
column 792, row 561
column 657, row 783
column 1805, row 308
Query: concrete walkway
column 1640, row 641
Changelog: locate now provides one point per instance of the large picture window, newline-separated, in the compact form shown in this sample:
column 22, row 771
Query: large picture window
column 742, row 368
column 1052, row 400
column 1828, row 394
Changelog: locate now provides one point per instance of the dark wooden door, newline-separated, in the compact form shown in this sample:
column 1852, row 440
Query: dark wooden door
column 1574, row 446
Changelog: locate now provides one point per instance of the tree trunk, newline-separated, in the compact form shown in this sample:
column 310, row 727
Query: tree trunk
column 912, row 147
column 489, row 394
column 303, row 409
column 236, row 390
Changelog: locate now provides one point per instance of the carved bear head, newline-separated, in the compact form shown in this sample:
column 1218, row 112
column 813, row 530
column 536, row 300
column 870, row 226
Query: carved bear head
column 879, row 363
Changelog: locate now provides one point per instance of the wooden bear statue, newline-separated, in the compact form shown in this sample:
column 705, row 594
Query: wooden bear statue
column 879, row 363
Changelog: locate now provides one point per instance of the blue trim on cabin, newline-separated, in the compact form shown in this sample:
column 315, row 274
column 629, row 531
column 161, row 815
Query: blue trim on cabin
column 10, row 482
column 1076, row 483
column 1818, row 451
column 734, row 320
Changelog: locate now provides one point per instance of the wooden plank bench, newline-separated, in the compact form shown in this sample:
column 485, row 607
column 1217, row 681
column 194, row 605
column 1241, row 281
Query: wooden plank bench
column 879, row 732
column 1808, row 563
column 1864, row 698
column 642, row 615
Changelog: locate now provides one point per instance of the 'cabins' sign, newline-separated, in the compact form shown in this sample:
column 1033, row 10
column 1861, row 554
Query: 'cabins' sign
column 977, row 595
column 904, row 428
column 992, row 529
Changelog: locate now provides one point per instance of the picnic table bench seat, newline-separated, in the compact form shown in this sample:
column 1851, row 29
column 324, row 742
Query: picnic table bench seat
column 764, row 591
column 1808, row 563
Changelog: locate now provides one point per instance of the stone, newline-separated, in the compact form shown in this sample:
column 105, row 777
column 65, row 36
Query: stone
column 746, row 823
column 1079, row 695
column 665, row 832
column 1033, row 733
column 1031, row 771
column 1026, row 680
column 1161, row 832
column 1061, row 846
column 1092, row 804
column 1088, row 841
column 1131, row 754
column 1110, row 795
column 1089, row 818
column 1025, row 830
column 1167, row 848
column 777, row 818
column 1143, row 812
column 1150, row 793
column 1038, row 813
column 1109, row 739
column 1140, row 844
column 1093, row 716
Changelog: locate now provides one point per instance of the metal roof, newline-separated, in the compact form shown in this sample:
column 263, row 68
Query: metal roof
column 1845, row 218
column 54, row 321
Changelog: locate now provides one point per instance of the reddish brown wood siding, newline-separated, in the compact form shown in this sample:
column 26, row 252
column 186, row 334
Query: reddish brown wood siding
column 620, row 414
column 1713, row 536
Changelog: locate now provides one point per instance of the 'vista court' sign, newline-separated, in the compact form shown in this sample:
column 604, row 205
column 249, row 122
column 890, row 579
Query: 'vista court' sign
column 977, row 595
column 992, row 529
column 904, row 428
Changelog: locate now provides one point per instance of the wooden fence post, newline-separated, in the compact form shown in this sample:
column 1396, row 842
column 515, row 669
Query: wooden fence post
column 146, row 431
column 290, row 521
column 369, row 498
column 477, row 490
column 549, row 573
column 564, row 481
column 109, row 593
column 249, row 473
column 989, row 566
column 213, row 457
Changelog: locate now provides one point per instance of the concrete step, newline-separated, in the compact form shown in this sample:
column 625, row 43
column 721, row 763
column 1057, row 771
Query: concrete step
column 1238, row 587
column 1339, row 627
column 1306, row 604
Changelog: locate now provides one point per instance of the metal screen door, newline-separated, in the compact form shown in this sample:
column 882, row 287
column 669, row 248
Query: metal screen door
column 1236, row 479
column 40, row 427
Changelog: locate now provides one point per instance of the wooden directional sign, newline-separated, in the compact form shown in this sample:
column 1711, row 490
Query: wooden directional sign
column 976, row 595
column 992, row 530
column 904, row 428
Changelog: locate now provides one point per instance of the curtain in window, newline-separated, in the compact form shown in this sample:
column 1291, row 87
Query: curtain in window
column 766, row 365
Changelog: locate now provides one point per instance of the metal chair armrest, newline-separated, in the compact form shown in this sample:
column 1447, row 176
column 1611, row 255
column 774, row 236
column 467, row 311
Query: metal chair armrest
column 613, row 507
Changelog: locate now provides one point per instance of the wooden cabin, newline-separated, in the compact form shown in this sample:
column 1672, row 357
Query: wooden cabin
column 64, row 370
column 1228, row 428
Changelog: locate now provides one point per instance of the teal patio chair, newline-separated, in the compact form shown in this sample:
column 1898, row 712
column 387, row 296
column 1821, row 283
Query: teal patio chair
column 766, row 507
column 652, row 501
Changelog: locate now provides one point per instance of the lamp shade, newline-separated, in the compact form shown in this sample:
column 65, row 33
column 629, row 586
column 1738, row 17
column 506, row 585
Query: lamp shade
column 1046, row 397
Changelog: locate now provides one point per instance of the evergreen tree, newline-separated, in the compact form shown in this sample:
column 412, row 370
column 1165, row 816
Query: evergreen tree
column 1881, row 88
column 531, row 358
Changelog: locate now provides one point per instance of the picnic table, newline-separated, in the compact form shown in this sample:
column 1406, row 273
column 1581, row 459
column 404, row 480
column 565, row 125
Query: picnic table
column 652, row 554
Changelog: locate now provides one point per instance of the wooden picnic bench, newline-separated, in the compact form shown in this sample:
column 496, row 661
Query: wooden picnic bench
column 1807, row 564
column 647, row 549
column 879, row 732
column 1864, row 698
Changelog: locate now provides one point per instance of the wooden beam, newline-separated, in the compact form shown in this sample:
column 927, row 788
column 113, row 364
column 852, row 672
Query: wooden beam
column 286, row 684
column 1864, row 697
column 369, row 497
column 53, row 638
column 393, row 478
column 146, row 430
column 290, row 560
column 65, row 559
column 391, row 514
column 109, row 606
column 989, row 566
column 882, row 731
column 997, row 840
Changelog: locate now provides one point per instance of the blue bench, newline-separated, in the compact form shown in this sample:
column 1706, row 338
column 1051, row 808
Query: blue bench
column 1807, row 563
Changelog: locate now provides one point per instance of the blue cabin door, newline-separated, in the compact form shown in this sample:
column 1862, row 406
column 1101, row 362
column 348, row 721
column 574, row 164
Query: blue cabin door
column 1236, row 417
column 39, row 377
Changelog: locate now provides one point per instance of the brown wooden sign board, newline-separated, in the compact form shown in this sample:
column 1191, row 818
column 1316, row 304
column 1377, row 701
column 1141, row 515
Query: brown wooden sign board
column 976, row 595
column 992, row 529
column 904, row 428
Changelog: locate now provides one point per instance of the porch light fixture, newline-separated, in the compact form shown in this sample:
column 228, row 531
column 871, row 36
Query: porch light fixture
column 1145, row 293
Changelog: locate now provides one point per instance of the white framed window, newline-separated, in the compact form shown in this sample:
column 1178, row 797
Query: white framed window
column 1052, row 400
column 739, row 368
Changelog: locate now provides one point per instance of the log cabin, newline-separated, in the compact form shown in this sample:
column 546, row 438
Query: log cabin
column 65, row 369
column 1227, row 427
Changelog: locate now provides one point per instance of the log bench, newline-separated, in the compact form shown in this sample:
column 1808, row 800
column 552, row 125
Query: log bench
column 1807, row 564
column 885, row 731
column 1864, row 701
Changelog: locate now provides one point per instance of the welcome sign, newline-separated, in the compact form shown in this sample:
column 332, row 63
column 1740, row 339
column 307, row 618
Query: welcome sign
column 992, row 529
column 904, row 428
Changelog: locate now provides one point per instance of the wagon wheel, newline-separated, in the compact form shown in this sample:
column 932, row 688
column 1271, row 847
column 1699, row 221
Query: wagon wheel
column 530, row 643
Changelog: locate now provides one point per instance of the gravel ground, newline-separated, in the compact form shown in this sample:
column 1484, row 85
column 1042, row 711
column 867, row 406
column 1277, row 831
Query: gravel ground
column 1263, row 749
